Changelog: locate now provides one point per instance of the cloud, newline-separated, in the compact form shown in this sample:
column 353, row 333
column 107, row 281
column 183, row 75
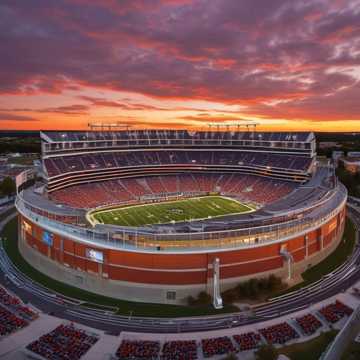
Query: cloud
column 274, row 58
column 67, row 110
column 211, row 118
column 13, row 117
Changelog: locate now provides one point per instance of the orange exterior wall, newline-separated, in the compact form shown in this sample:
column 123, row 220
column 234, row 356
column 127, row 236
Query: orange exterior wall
column 180, row 269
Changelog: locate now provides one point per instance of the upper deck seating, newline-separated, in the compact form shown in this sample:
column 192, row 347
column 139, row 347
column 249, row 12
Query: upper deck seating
column 96, row 161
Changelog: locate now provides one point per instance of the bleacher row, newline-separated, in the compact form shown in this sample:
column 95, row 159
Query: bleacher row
column 14, row 315
column 68, row 342
column 245, row 187
column 279, row 334
column 97, row 161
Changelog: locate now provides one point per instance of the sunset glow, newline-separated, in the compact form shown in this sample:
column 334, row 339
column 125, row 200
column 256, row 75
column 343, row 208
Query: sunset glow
column 288, row 65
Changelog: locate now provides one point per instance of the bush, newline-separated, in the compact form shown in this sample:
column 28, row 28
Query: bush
column 253, row 289
column 266, row 352
column 7, row 186
column 203, row 298
column 230, row 296
column 190, row 300
column 350, row 180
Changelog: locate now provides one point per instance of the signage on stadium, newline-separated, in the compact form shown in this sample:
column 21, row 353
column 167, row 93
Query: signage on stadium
column 27, row 227
column 47, row 238
column 95, row 255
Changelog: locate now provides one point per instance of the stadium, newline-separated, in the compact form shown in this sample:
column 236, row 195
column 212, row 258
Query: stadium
column 159, row 215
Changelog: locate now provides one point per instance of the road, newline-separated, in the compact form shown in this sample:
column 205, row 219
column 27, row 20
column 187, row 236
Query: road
column 47, row 301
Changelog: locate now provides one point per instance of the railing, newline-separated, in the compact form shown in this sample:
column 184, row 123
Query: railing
column 236, row 238
column 71, row 145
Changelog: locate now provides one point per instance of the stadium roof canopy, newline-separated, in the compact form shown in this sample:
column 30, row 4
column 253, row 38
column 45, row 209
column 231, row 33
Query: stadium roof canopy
column 69, row 136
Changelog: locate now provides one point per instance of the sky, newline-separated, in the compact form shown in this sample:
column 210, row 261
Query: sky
column 283, row 64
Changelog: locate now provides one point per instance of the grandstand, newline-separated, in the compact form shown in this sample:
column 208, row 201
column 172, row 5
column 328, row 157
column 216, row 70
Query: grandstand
column 309, row 324
column 248, row 188
column 66, row 342
column 332, row 313
column 198, row 346
column 279, row 333
column 129, row 350
column 217, row 346
column 179, row 350
column 248, row 341
column 14, row 315
column 158, row 215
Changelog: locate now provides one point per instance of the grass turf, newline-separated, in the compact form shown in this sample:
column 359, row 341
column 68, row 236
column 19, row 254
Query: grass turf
column 309, row 350
column 170, row 211
column 94, row 300
column 352, row 352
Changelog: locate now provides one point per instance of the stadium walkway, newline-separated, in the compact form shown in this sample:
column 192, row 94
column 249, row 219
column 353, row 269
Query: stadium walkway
column 13, row 346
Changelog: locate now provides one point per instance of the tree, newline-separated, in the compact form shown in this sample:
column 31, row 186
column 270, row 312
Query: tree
column 229, row 296
column 8, row 186
column 266, row 352
column 190, row 300
column 274, row 282
column 204, row 298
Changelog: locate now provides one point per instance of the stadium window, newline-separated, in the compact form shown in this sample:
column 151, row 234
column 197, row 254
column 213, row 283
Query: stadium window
column 171, row 295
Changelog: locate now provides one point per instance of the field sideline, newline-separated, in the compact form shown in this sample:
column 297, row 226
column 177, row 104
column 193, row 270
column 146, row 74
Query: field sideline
column 170, row 211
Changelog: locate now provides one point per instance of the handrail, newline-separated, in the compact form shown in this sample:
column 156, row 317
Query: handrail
column 234, row 238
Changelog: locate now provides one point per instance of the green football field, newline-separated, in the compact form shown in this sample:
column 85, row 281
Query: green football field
column 170, row 211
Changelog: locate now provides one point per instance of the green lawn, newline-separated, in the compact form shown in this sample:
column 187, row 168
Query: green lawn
column 97, row 301
column 170, row 211
column 309, row 350
column 352, row 352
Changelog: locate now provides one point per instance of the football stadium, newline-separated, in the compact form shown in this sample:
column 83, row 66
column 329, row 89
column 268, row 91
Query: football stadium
column 159, row 215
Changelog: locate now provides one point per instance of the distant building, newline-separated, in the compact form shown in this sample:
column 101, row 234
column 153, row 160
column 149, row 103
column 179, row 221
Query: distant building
column 336, row 155
column 15, row 155
column 328, row 144
column 351, row 164
column 353, row 154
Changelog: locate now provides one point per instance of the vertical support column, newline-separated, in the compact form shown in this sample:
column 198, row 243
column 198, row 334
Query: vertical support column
column 289, row 269
column 321, row 241
column 306, row 246
column 61, row 250
column 217, row 300
column 320, row 237
column 289, row 259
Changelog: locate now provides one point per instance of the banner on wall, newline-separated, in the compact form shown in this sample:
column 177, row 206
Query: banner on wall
column 48, row 238
column 95, row 255
column 27, row 227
